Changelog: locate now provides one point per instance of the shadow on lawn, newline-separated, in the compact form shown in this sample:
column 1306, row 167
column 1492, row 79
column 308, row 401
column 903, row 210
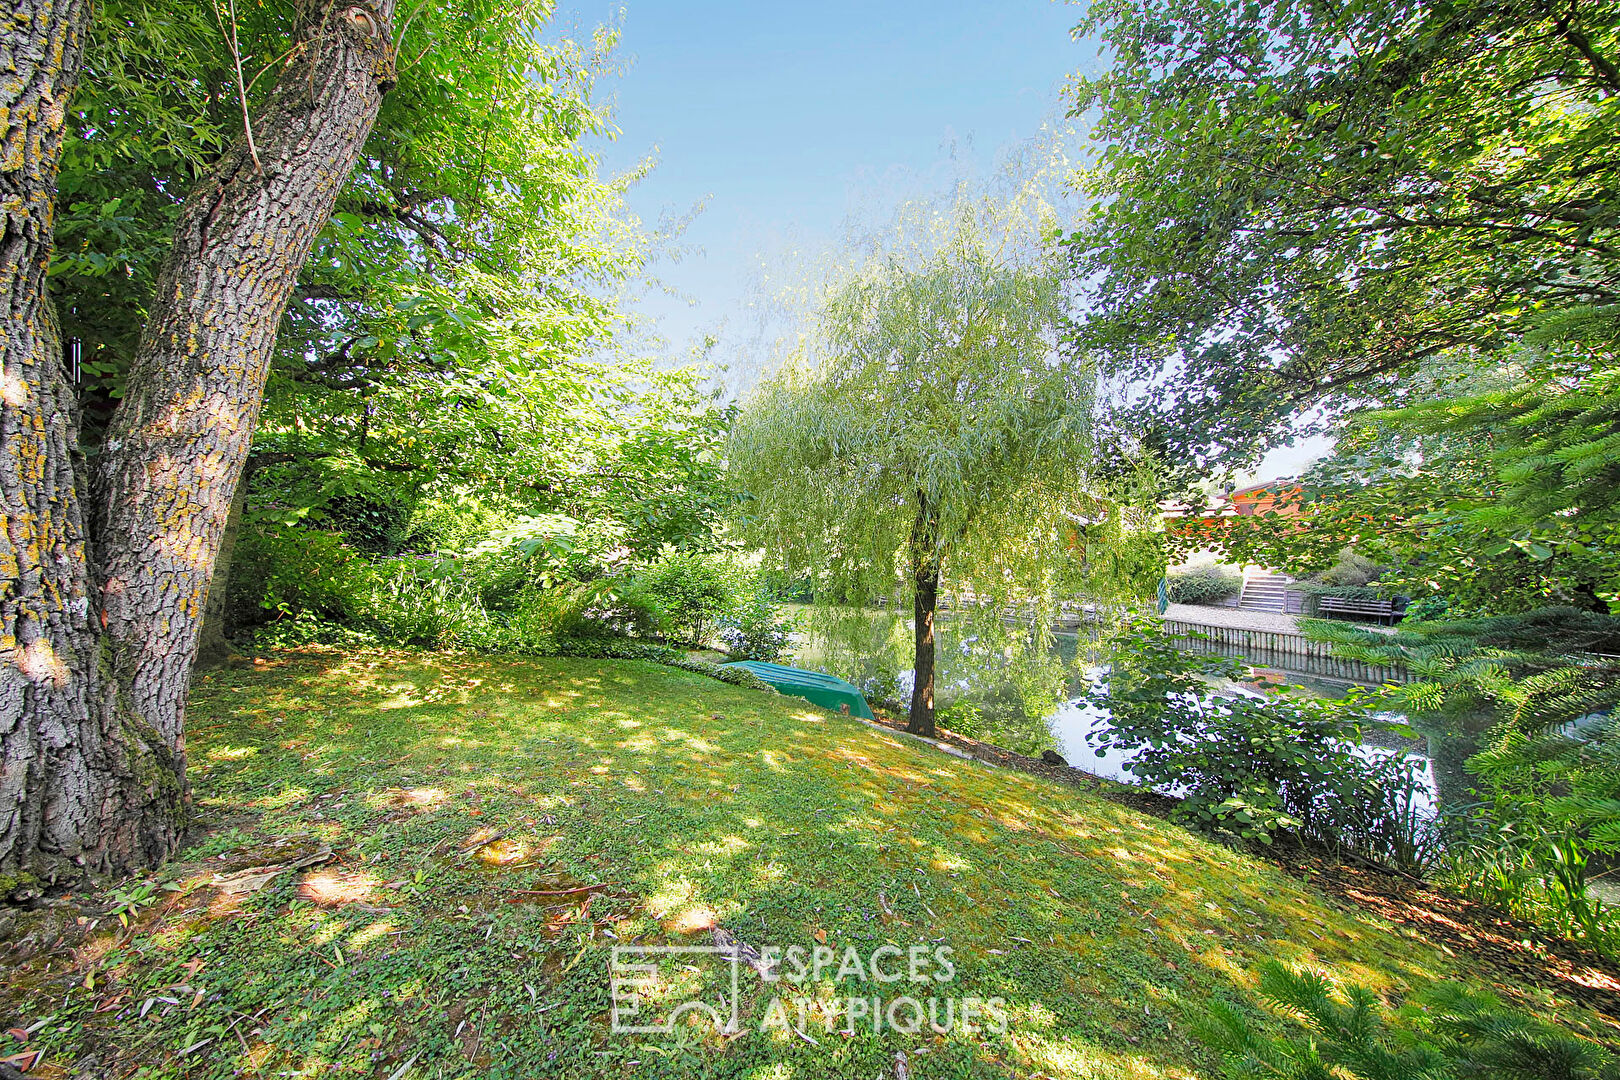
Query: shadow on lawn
column 497, row 828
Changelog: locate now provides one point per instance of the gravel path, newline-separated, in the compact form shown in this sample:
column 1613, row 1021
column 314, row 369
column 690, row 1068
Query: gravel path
column 1247, row 620
column 1233, row 617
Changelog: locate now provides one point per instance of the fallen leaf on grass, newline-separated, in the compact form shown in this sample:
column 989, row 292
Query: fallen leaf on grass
column 23, row 1062
column 108, row 1004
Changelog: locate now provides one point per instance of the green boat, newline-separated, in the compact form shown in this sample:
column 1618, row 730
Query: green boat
column 828, row 691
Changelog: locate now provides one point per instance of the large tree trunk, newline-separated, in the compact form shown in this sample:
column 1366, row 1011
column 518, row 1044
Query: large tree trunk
column 925, row 598
column 92, row 710
column 55, row 765
column 923, row 547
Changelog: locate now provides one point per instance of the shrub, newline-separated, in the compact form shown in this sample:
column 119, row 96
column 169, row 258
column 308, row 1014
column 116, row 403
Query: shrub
column 280, row 571
column 883, row 688
column 617, row 608
column 452, row 522
column 1351, row 569
column 1427, row 608
column 795, row 590
column 690, row 592
column 1343, row 592
column 306, row 628
column 1514, row 853
column 1438, row 608
column 591, row 609
column 1253, row 765
column 620, row 649
column 756, row 629
column 1203, row 585
column 998, row 717
column 505, row 580
column 376, row 525
column 429, row 603
column 509, row 598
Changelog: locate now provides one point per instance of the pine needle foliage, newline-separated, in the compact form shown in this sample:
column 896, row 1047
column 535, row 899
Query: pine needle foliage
column 1538, row 694
column 1532, row 672
column 1346, row 1032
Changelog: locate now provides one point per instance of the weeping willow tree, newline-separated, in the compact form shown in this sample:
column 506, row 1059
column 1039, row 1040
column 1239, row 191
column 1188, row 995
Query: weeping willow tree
column 928, row 434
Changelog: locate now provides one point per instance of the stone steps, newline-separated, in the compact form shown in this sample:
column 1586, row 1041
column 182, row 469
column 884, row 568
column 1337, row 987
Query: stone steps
column 1264, row 592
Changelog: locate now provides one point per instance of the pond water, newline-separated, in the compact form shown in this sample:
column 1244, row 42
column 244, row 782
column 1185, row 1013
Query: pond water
column 1073, row 722
column 1031, row 702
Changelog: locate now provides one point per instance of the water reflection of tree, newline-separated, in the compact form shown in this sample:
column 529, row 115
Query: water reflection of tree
column 998, row 680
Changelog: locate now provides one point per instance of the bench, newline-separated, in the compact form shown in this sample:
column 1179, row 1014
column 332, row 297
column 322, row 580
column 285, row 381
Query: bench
column 1339, row 605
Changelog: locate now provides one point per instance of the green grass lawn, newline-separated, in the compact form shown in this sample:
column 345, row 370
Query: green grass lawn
column 419, row 953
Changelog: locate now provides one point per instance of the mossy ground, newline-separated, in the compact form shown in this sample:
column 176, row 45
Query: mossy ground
column 693, row 803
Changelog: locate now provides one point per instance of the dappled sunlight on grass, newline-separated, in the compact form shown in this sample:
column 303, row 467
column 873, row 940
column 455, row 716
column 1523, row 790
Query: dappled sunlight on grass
column 724, row 847
column 331, row 888
column 497, row 828
column 420, row 798
column 286, row 797
column 692, row 919
column 1073, row 1057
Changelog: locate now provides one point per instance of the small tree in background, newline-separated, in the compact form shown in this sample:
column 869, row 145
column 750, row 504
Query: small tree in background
column 691, row 592
column 930, row 428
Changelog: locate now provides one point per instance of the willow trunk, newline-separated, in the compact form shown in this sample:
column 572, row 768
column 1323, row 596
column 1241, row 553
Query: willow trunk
column 104, row 591
column 925, row 600
column 923, row 546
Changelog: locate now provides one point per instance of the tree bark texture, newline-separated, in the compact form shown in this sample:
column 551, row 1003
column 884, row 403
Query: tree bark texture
column 102, row 628
column 50, row 748
column 214, row 648
column 925, row 573
column 925, row 597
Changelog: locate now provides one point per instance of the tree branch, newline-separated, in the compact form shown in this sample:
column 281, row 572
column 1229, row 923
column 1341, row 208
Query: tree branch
column 1601, row 65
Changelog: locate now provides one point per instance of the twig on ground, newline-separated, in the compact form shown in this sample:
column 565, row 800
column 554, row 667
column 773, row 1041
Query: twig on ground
column 470, row 848
column 582, row 889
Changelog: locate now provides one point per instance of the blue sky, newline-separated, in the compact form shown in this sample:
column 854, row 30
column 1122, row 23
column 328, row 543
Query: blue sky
column 781, row 118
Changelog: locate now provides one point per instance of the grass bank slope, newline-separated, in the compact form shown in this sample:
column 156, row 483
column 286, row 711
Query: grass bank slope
column 470, row 806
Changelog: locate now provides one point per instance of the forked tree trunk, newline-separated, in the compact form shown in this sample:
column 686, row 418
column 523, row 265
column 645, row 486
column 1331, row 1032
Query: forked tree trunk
column 92, row 703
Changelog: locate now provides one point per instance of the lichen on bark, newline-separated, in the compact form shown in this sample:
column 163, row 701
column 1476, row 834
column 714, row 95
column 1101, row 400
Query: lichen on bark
column 102, row 597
